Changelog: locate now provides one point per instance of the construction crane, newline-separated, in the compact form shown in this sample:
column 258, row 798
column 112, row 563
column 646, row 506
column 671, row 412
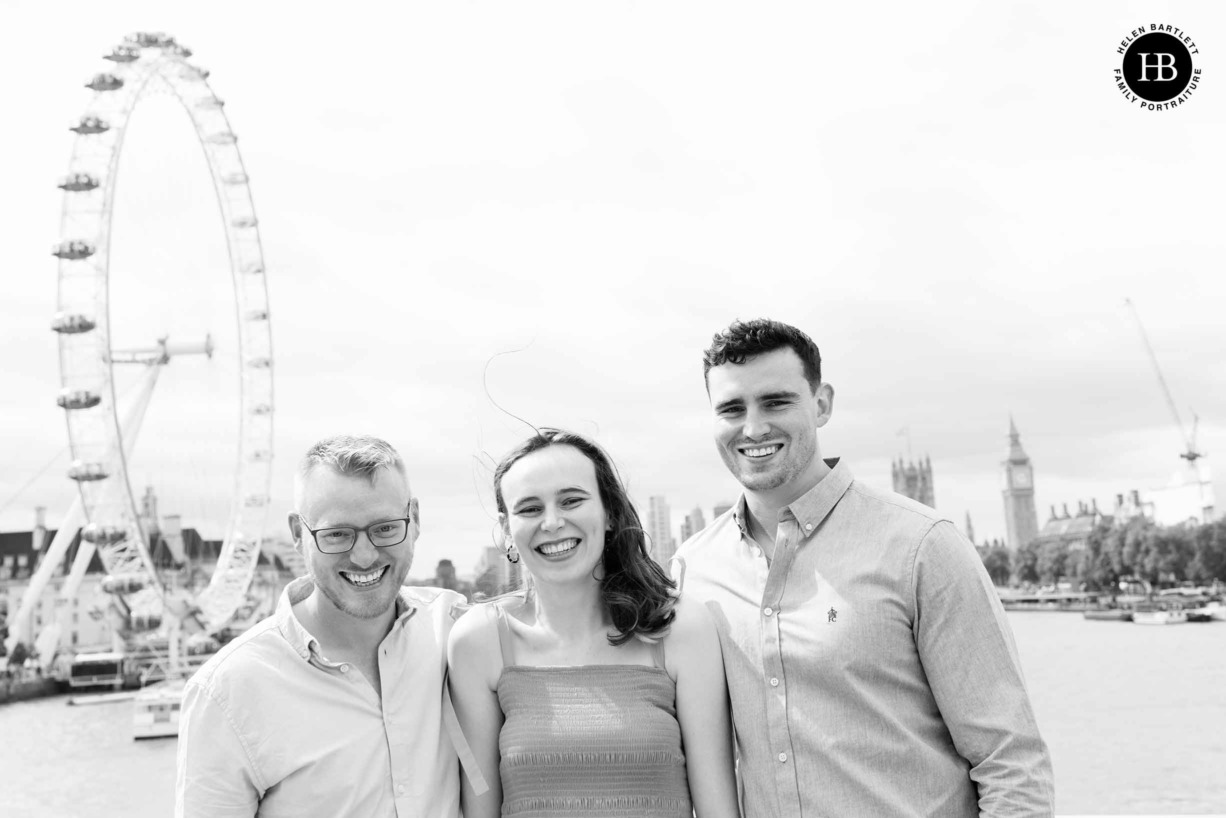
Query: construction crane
column 1191, row 455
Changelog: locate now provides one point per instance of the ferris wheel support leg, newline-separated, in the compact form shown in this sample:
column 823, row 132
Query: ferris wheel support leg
column 21, row 629
column 85, row 555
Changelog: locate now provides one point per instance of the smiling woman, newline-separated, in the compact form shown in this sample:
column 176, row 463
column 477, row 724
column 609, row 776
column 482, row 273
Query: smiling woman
column 600, row 637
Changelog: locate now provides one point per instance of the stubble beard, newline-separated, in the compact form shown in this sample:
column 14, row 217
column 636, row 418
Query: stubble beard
column 780, row 475
column 371, row 610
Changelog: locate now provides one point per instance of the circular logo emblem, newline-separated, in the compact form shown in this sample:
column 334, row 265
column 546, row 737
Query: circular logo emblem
column 1157, row 67
column 1157, row 70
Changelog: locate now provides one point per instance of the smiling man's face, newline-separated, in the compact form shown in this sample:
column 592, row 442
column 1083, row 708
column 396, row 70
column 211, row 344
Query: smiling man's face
column 766, row 421
column 364, row 581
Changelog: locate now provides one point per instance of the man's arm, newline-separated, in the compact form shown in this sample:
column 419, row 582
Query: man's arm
column 972, row 664
column 215, row 777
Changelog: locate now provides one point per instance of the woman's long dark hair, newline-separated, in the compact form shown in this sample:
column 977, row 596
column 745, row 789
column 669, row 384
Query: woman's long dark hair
column 637, row 593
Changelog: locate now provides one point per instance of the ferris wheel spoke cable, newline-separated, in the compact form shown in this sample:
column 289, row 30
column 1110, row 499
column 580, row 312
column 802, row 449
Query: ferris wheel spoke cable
column 56, row 458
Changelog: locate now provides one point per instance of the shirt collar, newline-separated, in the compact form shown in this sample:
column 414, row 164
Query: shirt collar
column 299, row 637
column 810, row 508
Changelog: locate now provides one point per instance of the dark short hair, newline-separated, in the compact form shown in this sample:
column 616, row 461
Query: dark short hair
column 637, row 593
column 745, row 339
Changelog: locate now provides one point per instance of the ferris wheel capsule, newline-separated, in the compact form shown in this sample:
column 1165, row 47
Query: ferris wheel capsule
column 77, row 399
column 244, row 221
column 72, row 323
column 122, row 583
column 123, row 54
column 150, row 39
column 103, row 534
column 210, row 104
column 84, row 472
column 73, row 249
column 78, row 182
column 223, row 138
column 105, row 82
column 90, row 125
column 143, row 622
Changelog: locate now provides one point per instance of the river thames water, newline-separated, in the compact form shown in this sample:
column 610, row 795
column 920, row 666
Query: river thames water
column 1135, row 718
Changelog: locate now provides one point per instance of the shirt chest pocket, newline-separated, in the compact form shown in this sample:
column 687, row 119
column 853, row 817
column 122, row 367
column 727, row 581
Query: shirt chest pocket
column 842, row 624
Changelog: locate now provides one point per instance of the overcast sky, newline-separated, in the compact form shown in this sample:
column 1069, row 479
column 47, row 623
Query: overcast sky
column 953, row 203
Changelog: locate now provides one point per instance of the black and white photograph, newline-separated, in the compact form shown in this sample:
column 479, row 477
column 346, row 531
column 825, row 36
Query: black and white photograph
column 543, row 409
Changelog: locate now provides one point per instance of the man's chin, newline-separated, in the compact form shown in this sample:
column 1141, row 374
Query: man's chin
column 363, row 609
column 762, row 481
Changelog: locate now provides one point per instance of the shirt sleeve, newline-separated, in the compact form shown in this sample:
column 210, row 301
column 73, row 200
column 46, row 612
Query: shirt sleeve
column 215, row 777
column 972, row 664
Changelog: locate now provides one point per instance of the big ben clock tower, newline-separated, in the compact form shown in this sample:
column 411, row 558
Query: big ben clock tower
column 1021, row 519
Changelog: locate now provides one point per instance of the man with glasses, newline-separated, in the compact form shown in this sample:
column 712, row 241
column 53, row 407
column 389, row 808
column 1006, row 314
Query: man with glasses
column 335, row 704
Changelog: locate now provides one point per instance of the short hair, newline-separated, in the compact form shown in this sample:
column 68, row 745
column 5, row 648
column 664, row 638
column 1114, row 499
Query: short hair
column 746, row 339
column 637, row 592
column 351, row 455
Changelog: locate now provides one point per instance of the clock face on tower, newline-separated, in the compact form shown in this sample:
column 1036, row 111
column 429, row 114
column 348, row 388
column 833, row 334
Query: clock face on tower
column 1021, row 477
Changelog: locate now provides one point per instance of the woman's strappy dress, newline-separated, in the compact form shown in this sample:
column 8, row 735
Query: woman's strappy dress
column 591, row 740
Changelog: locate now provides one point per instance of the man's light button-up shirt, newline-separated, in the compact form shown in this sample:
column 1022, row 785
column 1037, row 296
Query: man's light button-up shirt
column 900, row 690
column 271, row 727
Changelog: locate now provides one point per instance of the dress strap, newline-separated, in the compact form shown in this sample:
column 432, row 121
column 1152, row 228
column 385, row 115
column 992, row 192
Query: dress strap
column 657, row 653
column 504, row 636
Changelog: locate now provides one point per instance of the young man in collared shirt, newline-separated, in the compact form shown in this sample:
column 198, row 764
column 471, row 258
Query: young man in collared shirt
column 335, row 704
column 869, row 662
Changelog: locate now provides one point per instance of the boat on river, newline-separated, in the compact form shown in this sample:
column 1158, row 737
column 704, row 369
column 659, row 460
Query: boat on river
column 1108, row 615
column 155, row 710
column 1159, row 615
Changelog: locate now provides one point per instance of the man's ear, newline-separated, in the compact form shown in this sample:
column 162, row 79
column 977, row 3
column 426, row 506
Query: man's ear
column 825, row 403
column 415, row 513
column 295, row 531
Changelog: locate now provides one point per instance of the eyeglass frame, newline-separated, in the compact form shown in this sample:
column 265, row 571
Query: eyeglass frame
column 408, row 521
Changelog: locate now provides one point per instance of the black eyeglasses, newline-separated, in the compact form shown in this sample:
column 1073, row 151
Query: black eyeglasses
column 338, row 540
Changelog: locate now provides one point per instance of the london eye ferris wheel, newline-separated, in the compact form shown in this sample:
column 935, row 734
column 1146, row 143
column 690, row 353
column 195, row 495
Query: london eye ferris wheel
column 101, row 436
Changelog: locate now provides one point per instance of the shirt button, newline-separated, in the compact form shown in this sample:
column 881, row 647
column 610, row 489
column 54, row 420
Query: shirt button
column 768, row 611
column 774, row 682
column 400, row 789
column 783, row 757
column 808, row 526
column 344, row 668
column 757, row 552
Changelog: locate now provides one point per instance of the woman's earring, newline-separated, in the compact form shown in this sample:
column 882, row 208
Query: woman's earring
column 512, row 555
